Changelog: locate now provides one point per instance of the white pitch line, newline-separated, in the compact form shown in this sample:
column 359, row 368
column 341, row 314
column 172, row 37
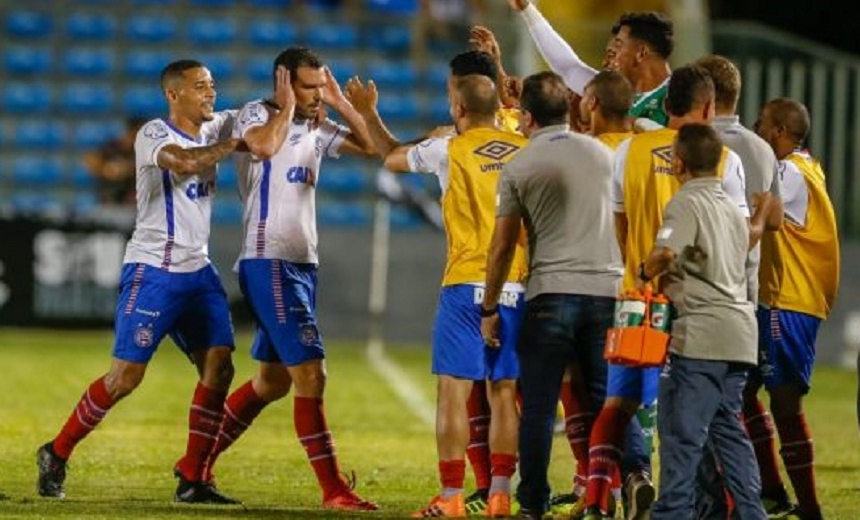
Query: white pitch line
column 400, row 382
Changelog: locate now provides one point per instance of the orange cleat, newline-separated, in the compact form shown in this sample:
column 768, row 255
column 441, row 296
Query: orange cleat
column 348, row 500
column 499, row 505
column 451, row 507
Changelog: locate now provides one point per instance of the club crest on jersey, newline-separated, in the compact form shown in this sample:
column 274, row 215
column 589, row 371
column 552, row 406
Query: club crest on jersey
column 199, row 190
column 496, row 150
column 308, row 334
column 663, row 154
column 155, row 130
column 252, row 114
column 143, row 336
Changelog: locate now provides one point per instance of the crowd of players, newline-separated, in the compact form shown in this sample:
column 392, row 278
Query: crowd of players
column 558, row 191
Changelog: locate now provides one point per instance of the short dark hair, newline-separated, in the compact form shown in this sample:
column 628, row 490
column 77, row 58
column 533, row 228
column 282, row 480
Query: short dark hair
column 292, row 58
column 689, row 86
column 652, row 27
column 700, row 147
column 614, row 93
column 546, row 98
column 474, row 62
column 792, row 115
column 176, row 69
column 726, row 77
column 478, row 95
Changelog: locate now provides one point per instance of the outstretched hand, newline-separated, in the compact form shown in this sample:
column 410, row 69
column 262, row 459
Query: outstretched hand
column 483, row 39
column 284, row 96
column 363, row 98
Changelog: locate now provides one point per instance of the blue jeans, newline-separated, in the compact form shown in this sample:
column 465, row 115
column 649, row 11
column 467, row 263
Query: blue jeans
column 700, row 402
column 558, row 330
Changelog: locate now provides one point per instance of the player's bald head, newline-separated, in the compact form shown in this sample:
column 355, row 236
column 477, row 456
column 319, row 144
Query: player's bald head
column 791, row 115
column 174, row 72
column 477, row 94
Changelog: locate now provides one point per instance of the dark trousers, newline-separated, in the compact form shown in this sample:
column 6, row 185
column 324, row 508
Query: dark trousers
column 700, row 402
column 558, row 330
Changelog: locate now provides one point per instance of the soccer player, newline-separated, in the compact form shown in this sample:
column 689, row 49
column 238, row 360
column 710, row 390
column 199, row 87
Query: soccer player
column 468, row 167
column 559, row 185
column 287, row 138
column 640, row 47
column 702, row 247
column 642, row 185
column 799, row 278
column 168, row 285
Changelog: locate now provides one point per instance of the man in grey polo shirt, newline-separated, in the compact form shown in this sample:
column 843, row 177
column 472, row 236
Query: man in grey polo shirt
column 559, row 185
column 702, row 248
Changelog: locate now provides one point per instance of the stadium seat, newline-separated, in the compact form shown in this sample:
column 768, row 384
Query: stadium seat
column 272, row 32
column 144, row 101
column 221, row 65
column 226, row 212
column 333, row 36
column 28, row 24
column 154, row 2
column 27, row 98
column 32, row 202
column 271, row 3
column 84, row 203
column 81, row 177
column 212, row 31
column 89, row 61
column 34, row 171
column 397, row 7
column 90, row 26
column 150, row 28
column 398, row 108
column 92, row 133
column 436, row 75
column 403, row 219
column 393, row 74
column 26, row 60
column 344, row 214
column 260, row 68
column 214, row 3
column 342, row 69
column 33, row 133
column 393, row 38
column 83, row 98
column 343, row 180
column 146, row 63
column 439, row 112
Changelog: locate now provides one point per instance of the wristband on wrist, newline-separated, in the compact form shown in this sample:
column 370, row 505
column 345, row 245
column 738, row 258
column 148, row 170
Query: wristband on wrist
column 486, row 313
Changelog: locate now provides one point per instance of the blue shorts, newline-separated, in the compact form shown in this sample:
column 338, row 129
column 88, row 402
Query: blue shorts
column 282, row 298
column 786, row 347
column 191, row 307
column 639, row 384
column 458, row 347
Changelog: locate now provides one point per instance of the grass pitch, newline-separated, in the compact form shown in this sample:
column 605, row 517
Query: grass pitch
column 123, row 470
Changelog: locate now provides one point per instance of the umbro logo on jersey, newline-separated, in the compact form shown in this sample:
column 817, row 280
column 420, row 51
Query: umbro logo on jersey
column 294, row 139
column 496, row 150
column 663, row 153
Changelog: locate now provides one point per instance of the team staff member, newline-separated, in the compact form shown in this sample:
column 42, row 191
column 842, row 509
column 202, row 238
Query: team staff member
column 702, row 246
column 168, row 284
column 560, row 187
column 468, row 167
column 799, row 279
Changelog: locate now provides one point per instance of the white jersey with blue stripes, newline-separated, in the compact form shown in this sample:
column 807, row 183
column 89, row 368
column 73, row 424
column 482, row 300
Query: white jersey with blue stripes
column 279, row 193
column 172, row 226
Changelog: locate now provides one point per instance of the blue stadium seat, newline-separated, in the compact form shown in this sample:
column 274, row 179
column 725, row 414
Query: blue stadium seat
column 81, row 177
column 89, row 61
column 214, row 3
column 84, row 203
column 154, row 2
column 221, row 65
column 439, row 112
column 260, row 68
column 398, row 7
column 90, row 26
column 436, row 75
column 150, row 28
column 398, row 108
column 393, row 74
column 272, row 32
column 146, row 63
column 392, row 38
column 26, row 60
column 226, row 212
column 271, row 3
column 28, row 24
column 32, row 202
column 27, row 98
column 344, row 214
column 333, row 36
column 212, row 30
column 33, row 133
column 403, row 219
column 89, row 134
column 35, row 171
column 83, row 98
column 144, row 101
column 342, row 69
column 343, row 180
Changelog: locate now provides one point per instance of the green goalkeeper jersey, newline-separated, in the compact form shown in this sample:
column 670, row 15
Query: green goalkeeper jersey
column 650, row 105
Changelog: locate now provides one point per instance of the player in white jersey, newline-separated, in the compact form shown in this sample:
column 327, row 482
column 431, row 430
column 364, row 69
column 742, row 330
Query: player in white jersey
column 288, row 136
column 168, row 285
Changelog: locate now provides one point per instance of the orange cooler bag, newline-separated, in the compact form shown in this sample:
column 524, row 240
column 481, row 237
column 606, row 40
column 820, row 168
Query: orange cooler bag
column 640, row 336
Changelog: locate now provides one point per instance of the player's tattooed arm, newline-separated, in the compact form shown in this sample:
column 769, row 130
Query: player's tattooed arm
column 264, row 140
column 190, row 161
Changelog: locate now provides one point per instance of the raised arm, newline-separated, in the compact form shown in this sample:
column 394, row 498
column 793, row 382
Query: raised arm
column 364, row 99
column 358, row 142
column 555, row 51
column 266, row 139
